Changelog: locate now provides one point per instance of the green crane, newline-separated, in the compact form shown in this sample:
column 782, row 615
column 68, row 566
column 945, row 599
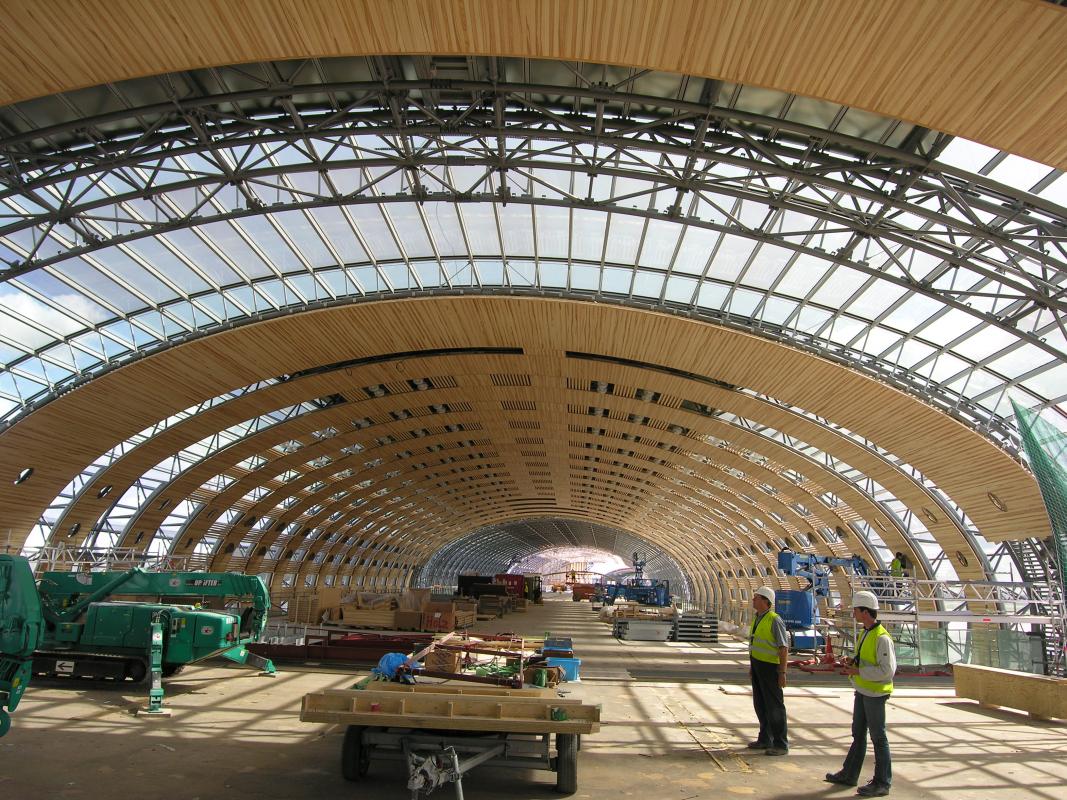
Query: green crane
column 70, row 623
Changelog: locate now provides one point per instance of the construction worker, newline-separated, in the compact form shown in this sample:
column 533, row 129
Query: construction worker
column 768, row 652
column 871, row 672
column 896, row 570
column 896, row 566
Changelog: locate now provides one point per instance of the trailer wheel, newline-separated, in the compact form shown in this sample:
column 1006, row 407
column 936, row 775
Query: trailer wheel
column 566, row 763
column 355, row 758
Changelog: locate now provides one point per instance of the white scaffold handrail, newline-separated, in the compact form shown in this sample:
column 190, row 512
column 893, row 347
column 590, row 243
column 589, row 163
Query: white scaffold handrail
column 100, row 559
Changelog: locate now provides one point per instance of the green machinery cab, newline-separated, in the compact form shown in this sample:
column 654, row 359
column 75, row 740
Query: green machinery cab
column 21, row 630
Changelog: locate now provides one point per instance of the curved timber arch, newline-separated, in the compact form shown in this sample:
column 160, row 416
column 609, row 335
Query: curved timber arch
column 317, row 305
column 643, row 455
column 963, row 69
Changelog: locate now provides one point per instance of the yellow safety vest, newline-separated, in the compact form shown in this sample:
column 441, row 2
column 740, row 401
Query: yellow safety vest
column 868, row 656
column 761, row 645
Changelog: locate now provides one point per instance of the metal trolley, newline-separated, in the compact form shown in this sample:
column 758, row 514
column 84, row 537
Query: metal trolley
column 442, row 732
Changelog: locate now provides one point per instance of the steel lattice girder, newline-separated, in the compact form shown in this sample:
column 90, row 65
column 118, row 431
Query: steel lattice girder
column 846, row 184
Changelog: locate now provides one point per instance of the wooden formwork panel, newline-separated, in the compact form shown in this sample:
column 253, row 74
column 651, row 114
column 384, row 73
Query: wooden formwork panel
column 449, row 711
column 1040, row 695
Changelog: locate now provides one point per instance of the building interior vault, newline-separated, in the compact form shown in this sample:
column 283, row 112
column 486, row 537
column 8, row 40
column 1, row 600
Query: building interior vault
column 373, row 295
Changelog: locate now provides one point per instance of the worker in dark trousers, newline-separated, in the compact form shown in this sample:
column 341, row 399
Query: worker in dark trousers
column 768, row 652
column 871, row 672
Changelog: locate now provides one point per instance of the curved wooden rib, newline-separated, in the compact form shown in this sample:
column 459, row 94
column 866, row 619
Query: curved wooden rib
column 486, row 391
column 954, row 65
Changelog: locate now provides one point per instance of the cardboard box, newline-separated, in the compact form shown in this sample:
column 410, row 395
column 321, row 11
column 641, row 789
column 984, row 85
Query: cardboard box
column 443, row 661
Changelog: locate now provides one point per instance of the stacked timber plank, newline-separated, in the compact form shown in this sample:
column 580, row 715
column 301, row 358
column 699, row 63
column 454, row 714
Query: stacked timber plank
column 356, row 617
column 443, row 707
column 465, row 619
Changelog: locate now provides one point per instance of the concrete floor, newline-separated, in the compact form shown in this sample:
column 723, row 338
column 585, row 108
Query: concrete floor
column 672, row 734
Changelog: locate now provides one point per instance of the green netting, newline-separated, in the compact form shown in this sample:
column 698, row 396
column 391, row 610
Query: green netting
column 1046, row 450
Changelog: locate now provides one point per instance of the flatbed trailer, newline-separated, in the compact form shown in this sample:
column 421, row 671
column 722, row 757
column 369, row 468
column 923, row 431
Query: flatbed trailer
column 443, row 731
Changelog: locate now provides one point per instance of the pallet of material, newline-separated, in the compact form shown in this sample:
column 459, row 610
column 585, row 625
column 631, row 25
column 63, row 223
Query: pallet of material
column 439, row 617
column 368, row 618
column 446, row 710
column 465, row 619
column 639, row 630
column 654, row 613
column 492, row 604
column 307, row 607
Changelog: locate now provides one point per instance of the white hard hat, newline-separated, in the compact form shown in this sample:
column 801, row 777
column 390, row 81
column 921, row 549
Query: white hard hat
column 767, row 593
column 865, row 600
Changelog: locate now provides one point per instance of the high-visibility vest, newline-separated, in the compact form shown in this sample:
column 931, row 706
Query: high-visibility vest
column 896, row 569
column 867, row 656
column 761, row 645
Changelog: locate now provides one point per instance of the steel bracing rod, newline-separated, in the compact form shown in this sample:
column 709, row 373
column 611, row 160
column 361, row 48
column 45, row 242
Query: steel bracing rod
column 999, row 193
column 231, row 107
column 889, row 175
column 950, row 298
column 952, row 403
column 862, row 221
column 809, row 234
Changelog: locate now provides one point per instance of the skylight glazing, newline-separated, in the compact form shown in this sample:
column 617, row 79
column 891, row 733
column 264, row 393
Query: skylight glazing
column 144, row 213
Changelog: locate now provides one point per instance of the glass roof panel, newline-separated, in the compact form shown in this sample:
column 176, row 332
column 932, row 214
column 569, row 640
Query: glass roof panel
column 1019, row 172
column 661, row 239
column 731, row 258
column 694, row 249
column 767, row 266
column 372, row 227
column 408, row 223
column 623, row 237
column 876, row 299
column 967, row 155
column 254, row 204
column 839, row 286
column 588, row 239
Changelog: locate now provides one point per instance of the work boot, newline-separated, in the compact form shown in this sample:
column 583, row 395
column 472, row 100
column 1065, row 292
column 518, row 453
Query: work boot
column 777, row 751
column 839, row 777
column 757, row 745
column 873, row 789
